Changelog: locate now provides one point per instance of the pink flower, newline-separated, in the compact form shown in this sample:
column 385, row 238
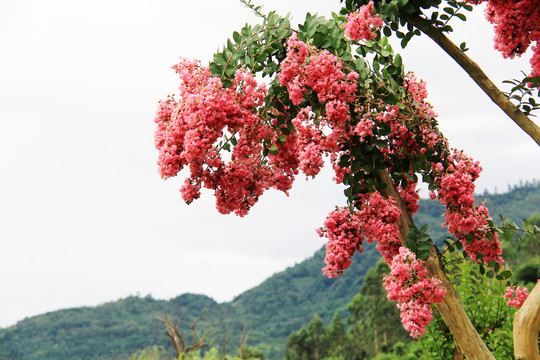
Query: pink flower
column 517, row 296
column 407, row 284
column 379, row 217
column 517, row 25
column 467, row 221
column 189, row 132
column 342, row 228
column 361, row 25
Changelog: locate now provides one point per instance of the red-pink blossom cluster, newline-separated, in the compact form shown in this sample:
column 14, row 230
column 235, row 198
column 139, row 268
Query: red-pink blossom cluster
column 406, row 140
column 376, row 220
column 379, row 217
column 516, row 295
column 362, row 25
column 307, row 69
column 415, row 293
column 310, row 142
column 410, row 196
column 517, row 25
column 364, row 128
column 189, row 132
column 342, row 228
column 468, row 222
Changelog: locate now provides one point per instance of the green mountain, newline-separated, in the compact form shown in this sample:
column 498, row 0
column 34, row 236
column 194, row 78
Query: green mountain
column 283, row 303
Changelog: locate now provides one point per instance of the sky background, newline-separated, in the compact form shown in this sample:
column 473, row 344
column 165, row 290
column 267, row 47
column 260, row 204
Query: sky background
column 84, row 216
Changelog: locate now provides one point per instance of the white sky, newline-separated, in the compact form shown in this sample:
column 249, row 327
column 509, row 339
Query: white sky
column 84, row 215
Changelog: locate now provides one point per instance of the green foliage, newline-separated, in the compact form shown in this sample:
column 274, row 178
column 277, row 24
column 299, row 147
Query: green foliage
column 524, row 241
column 337, row 338
column 523, row 94
column 291, row 298
column 152, row 353
column 257, row 48
column 484, row 302
column 527, row 273
column 375, row 324
column 419, row 242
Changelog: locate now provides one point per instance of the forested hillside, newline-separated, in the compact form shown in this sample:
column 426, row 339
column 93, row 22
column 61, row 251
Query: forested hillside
column 283, row 303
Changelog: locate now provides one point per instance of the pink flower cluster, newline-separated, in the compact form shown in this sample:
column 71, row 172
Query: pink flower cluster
column 410, row 196
column 364, row 128
column 379, row 217
column 462, row 217
column 376, row 221
column 192, row 131
column 516, row 295
column 406, row 140
column 415, row 293
column 307, row 69
column 311, row 142
column 361, row 25
column 342, row 228
column 517, row 25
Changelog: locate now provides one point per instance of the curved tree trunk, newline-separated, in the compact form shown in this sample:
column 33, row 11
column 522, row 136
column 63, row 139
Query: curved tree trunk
column 465, row 335
column 478, row 75
column 527, row 326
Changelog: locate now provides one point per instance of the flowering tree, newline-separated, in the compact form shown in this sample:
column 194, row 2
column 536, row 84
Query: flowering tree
column 336, row 89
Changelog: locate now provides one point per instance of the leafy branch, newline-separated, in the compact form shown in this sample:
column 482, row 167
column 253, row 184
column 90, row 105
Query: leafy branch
column 523, row 92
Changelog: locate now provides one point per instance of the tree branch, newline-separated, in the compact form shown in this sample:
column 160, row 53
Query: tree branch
column 527, row 326
column 451, row 309
column 478, row 75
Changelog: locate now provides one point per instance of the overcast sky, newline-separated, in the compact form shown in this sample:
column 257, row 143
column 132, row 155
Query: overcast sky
column 84, row 215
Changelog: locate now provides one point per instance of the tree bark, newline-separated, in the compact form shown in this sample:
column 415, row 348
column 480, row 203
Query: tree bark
column 457, row 354
column 465, row 335
column 527, row 326
column 478, row 75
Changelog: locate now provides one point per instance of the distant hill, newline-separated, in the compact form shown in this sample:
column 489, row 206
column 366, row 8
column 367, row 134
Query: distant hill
column 283, row 303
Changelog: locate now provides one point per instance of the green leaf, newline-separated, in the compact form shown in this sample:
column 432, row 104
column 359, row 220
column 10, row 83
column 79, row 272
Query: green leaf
column 423, row 229
column 461, row 16
column 398, row 60
column 493, row 264
column 216, row 69
column 230, row 70
column 410, row 244
column 273, row 149
column 423, row 254
column 219, row 58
